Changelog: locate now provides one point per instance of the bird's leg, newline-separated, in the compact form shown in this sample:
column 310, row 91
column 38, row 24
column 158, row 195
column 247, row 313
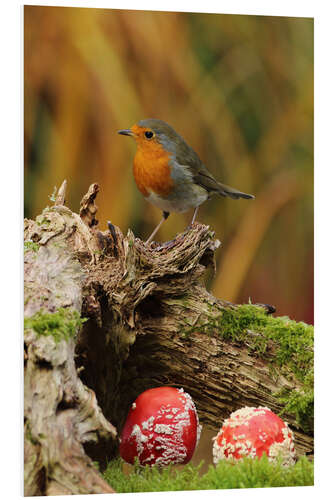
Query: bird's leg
column 165, row 216
column 194, row 215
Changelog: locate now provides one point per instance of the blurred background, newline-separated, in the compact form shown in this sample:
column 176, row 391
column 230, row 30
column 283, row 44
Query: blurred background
column 239, row 89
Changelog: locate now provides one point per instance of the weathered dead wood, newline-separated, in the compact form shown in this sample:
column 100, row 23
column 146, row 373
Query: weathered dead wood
column 137, row 299
column 61, row 413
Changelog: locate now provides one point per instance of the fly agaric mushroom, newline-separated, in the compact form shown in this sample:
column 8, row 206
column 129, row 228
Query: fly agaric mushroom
column 250, row 432
column 162, row 427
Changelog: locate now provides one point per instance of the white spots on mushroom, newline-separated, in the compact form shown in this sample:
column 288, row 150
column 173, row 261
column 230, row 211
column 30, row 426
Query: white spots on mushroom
column 140, row 438
column 163, row 429
column 285, row 449
column 148, row 424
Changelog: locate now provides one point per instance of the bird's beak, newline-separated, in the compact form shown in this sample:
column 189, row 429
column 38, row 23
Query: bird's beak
column 126, row 132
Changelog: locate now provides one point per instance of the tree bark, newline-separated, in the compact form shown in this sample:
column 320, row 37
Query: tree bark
column 139, row 300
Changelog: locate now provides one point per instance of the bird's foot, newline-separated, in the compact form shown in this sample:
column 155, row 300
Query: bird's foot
column 163, row 246
column 191, row 226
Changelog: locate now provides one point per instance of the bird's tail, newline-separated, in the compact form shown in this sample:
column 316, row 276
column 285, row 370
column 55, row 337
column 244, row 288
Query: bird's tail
column 225, row 190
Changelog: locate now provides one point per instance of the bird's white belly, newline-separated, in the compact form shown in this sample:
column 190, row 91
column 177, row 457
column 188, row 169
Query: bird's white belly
column 185, row 197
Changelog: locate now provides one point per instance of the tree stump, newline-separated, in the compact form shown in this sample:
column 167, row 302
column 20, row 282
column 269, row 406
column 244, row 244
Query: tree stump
column 107, row 317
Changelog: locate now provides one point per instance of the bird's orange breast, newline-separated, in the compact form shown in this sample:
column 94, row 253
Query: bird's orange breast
column 152, row 171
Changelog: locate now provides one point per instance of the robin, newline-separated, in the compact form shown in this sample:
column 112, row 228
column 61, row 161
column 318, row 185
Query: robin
column 169, row 173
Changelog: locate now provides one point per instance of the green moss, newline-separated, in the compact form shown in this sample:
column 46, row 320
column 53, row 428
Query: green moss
column 293, row 350
column 293, row 341
column 300, row 403
column 31, row 245
column 62, row 325
column 248, row 473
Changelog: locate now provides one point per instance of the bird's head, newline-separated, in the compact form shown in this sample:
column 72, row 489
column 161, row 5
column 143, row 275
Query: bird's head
column 152, row 133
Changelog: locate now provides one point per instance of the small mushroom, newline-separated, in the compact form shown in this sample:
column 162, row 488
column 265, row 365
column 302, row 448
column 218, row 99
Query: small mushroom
column 162, row 427
column 251, row 432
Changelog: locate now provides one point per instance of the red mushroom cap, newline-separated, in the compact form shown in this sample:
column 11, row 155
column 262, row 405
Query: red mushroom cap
column 162, row 427
column 251, row 432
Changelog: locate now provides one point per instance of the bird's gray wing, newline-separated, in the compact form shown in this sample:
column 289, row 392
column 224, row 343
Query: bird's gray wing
column 201, row 176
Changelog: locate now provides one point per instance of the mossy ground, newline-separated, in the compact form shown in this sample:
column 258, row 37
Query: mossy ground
column 248, row 473
column 61, row 325
column 293, row 350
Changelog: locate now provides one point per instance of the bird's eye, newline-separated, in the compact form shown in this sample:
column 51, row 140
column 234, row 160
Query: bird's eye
column 149, row 134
